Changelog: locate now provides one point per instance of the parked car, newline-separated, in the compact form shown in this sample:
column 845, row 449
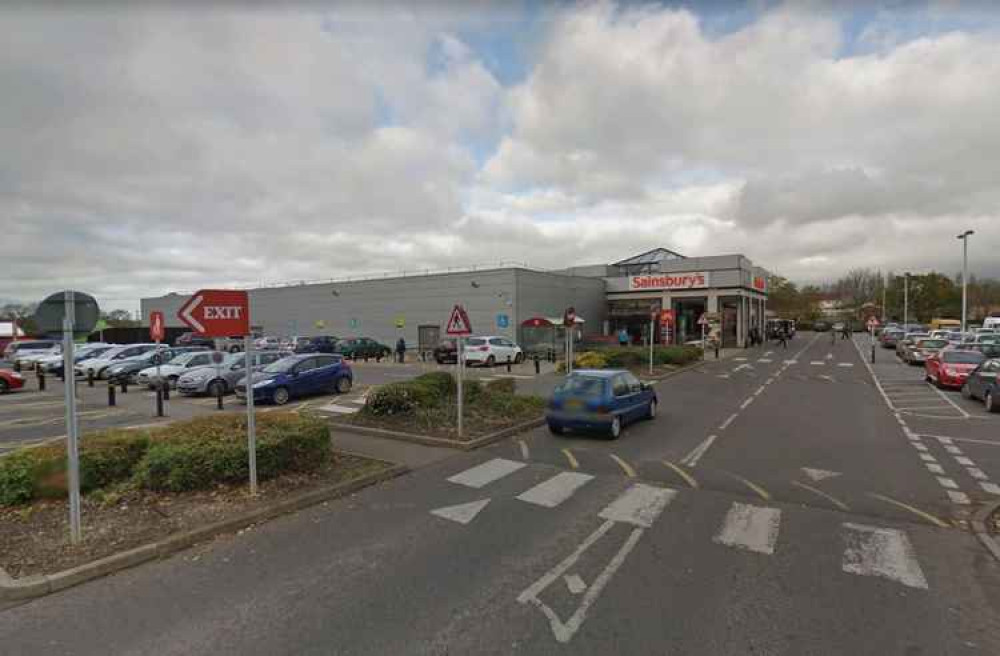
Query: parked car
column 981, row 384
column 491, row 350
column 446, row 351
column 908, row 340
column 53, row 364
column 194, row 339
column 24, row 345
column 317, row 344
column 172, row 370
column 298, row 375
column 294, row 342
column 10, row 380
column 360, row 347
column 821, row 326
column 951, row 367
column 129, row 369
column 222, row 378
column 921, row 349
column 98, row 366
column 232, row 344
column 890, row 337
column 599, row 399
column 26, row 359
column 269, row 342
column 981, row 338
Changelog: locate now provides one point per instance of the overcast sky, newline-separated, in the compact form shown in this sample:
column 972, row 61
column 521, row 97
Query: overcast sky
column 147, row 151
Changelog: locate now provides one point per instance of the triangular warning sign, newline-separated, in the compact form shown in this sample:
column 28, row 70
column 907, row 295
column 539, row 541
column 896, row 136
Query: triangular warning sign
column 458, row 322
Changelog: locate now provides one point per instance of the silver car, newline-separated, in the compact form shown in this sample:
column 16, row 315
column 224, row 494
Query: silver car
column 222, row 378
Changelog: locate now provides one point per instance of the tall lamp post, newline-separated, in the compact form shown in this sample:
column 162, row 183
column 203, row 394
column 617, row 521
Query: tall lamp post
column 965, row 274
column 906, row 300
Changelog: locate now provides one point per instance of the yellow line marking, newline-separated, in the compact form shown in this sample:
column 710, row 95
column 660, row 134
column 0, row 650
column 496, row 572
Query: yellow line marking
column 572, row 459
column 627, row 468
column 688, row 478
column 916, row 511
column 761, row 492
column 837, row 502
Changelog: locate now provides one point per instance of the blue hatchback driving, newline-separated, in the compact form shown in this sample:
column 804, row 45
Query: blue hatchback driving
column 299, row 375
column 599, row 399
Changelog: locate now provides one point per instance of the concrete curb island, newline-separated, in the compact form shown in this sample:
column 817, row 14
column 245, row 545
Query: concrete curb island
column 42, row 584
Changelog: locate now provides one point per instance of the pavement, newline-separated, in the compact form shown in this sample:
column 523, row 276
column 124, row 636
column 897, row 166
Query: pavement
column 778, row 504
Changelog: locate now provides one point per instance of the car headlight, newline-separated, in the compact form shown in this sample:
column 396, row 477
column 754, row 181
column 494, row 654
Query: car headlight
column 263, row 383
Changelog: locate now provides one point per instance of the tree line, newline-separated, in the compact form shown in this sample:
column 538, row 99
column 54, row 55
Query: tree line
column 927, row 295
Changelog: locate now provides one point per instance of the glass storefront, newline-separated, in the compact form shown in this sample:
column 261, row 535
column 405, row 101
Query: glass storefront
column 633, row 316
column 687, row 311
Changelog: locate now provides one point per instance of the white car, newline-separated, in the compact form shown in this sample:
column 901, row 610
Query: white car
column 267, row 343
column 491, row 350
column 80, row 352
column 27, row 359
column 99, row 365
column 171, row 371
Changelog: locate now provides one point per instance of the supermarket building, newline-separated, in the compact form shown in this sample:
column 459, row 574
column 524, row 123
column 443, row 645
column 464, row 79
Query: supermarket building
column 519, row 302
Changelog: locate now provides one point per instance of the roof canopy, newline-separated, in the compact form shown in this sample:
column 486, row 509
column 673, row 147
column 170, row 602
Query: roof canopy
column 651, row 257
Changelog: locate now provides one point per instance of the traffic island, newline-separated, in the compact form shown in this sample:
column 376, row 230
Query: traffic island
column 424, row 411
column 150, row 495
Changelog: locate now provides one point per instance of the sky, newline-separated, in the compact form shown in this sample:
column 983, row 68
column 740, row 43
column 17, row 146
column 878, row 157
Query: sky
column 149, row 148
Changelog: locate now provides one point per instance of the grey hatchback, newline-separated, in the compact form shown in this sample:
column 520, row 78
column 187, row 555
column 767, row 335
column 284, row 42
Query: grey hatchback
column 221, row 378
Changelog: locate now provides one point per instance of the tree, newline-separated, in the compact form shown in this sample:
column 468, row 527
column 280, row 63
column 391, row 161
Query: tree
column 120, row 319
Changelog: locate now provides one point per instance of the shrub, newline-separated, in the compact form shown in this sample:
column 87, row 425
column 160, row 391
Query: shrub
column 442, row 382
column 17, row 478
column 501, row 386
column 471, row 390
column 391, row 399
column 590, row 360
column 622, row 358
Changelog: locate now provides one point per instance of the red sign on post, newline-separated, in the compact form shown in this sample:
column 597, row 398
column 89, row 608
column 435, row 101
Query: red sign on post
column 667, row 317
column 217, row 313
column 157, row 328
column 458, row 323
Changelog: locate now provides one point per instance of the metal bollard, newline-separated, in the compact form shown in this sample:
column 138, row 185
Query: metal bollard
column 538, row 366
column 166, row 389
column 873, row 354
column 716, row 350
column 41, row 380
column 124, row 384
column 159, row 402
column 508, row 364
column 62, row 374
column 90, row 377
column 218, row 397
column 111, row 395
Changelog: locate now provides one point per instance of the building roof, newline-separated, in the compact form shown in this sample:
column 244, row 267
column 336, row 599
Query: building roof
column 651, row 257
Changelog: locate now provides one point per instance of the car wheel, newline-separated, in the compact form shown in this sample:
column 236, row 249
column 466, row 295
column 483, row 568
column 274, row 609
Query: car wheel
column 491, row 361
column 4, row 386
column 343, row 385
column 651, row 413
column 556, row 429
column 966, row 392
column 280, row 396
column 519, row 358
column 217, row 388
column 991, row 406
column 616, row 428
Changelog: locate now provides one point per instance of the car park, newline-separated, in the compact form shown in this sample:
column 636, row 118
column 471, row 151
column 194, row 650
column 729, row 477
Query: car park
column 53, row 364
column 908, row 340
column 446, row 351
column 951, row 367
column 981, row 384
column 890, row 337
column 27, row 359
column 821, row 326
column 491, row 350
column 10, row 380
column 269, row 342
column 317, row 344
column 297, row 376
column 222, row 378
column 921, row 349
column 153, row 376
column 24, row 345
column 599, row 399
column 194, row 339
column 97, row 367
column 362, row 347
column 128, row 370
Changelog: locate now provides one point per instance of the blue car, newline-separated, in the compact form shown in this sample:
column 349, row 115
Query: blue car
column 299, row 375
column 599, row 399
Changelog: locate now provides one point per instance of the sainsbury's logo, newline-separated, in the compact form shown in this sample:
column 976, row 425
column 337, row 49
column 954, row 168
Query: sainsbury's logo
column 696, row 280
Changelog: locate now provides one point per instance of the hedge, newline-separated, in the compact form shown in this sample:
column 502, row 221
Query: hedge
column 430, row 391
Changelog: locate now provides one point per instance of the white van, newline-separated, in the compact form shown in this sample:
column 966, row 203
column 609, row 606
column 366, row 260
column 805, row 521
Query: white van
column 991, row 323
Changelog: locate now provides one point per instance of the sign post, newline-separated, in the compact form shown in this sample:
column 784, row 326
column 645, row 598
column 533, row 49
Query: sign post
column 224, row 313
column 156, row 334
column 703, row 322
column 459, row 327
column 872, row 325
column 569, row 322
column 652, row 336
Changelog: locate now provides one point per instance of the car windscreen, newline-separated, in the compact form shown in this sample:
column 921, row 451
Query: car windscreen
column 932, row 343
column 184, row 358
column 281, row 366
column 476, row 341
column 962, row 357
column 584, row 386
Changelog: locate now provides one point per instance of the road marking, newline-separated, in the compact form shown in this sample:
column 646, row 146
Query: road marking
column 882, row 552
column 768, row 353
column 952, row 403
column 947, row 482
column 829, row 356
column 462, row 513
column 845, row 364
column 525, row 454
column 764, row 360
column 916, row 511
column 739, row 359
column 958, row 497
column 728, row 421
column 723, row 376
column 992, row 488
column 790, row 362
column 743, row 406
column 964, row 461
column 575, row 584
column 919, row 447
column 750, row 527
column 627, row 468
column 969, row 439
column 692, row 458
column 944, row 440
column 688, row 478
column 934, row 468
column 571, row 458
column 977, row 473
column 486, row 473
column 819, row 474
column 761, row 492
column 554, row 491
column 952, row 449
column 837, row 502
column 926, row 457
column 639, row 505
column 760, row 390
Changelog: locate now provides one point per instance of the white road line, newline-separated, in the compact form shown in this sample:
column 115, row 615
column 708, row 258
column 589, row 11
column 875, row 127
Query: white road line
column 992, row 488
column 486, row 473
column 882, row 552
column 692, row 458
column 944, row 440
column 462, row 513
column 919, row 447
column 739, row 359
column 555, row 490
column 768, row 353
column 764, row 360
column 954, row 450
column 952, row 403
column 817, row 362
column 964, row 461
column 970, row 440
column 934, row 468
column 728, row 421
column 977, row 473
column 639, row 505
column 845, row 364
column 760, row 390
column 750, row 527
column 959, row 497
column 947, row 482
column 525, row 453
column 926, row 457
column 743, row 406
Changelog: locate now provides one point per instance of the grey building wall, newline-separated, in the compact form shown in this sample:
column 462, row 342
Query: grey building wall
column 549, row 294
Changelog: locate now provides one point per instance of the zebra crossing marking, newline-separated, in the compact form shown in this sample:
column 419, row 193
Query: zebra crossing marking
column 486, row 473
column 753, row 528
column 881, row 552
column 639, row 505
column 552, row 492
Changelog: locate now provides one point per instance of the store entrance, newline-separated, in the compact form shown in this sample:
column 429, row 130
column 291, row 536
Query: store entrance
column 632, row 316
column 730, row 321
column 687, row 312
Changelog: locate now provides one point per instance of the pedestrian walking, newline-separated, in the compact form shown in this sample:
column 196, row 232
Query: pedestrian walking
column 783, row 337
column 622, row 337
column 400, row 349
column 845, row 333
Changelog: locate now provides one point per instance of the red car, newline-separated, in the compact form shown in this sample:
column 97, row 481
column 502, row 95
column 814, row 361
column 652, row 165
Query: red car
column 950, row 367
column 10, row 380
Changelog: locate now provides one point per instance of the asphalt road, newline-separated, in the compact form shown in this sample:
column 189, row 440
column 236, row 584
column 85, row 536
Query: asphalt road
column 778, row 505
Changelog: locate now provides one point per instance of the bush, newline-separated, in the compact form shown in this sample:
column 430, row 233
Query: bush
column 442, row 382
column 471, row 391
column 590, row 360
column 17, row 478
column 391, row 399
column 501, row 386
column 209, row 451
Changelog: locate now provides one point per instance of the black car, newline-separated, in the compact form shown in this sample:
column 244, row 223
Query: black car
column 318, row 344
column 194, row 339
column 446, row 351
column 982, row 384
column 821, row 326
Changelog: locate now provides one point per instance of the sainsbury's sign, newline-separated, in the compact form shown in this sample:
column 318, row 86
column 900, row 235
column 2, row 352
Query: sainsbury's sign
column 694, row 280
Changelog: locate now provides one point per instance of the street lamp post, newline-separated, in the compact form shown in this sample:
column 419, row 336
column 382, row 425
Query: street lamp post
column 965, row 274
column 906, row 300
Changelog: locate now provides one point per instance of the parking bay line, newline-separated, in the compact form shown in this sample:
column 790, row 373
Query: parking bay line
column 692, row 458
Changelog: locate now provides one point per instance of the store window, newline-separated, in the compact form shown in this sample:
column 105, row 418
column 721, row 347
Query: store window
column 687, row 312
